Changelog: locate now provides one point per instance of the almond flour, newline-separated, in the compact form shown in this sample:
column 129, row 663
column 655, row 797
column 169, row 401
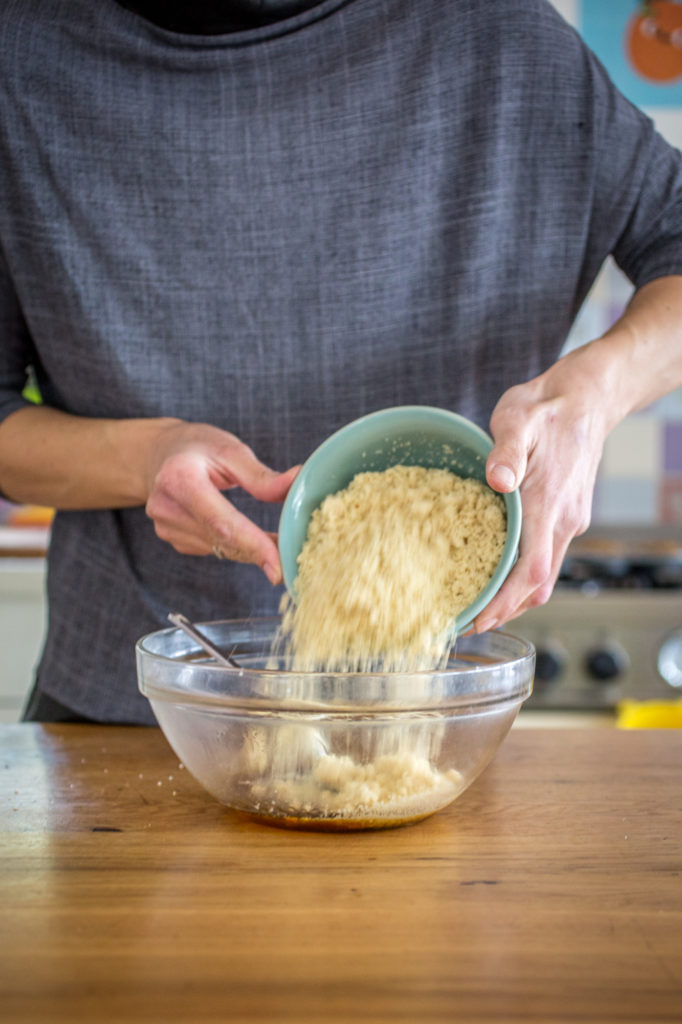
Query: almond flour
column 388, row 565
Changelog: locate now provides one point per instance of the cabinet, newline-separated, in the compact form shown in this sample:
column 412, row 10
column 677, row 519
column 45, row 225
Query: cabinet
column 23, row 619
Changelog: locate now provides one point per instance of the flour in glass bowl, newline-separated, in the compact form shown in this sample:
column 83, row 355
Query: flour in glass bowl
column 388, row 565
column 293, row 776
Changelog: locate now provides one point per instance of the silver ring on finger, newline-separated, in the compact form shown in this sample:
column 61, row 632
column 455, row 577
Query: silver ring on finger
column 217, row 552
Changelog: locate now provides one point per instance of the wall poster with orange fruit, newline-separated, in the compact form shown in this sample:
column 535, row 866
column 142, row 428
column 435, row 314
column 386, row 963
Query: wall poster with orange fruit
column 640, row 44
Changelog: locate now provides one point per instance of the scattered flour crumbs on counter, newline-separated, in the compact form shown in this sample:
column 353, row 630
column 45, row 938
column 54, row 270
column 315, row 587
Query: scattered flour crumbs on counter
column 388, row 564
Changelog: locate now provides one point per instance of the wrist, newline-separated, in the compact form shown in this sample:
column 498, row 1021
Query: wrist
column 585, row 382
column 139, row 444
column 49, row 457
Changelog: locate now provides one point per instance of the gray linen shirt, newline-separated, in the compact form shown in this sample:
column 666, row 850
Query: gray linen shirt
column 374, row 202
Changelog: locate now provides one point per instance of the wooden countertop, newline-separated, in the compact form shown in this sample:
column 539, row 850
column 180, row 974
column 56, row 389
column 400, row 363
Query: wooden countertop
column 551, row 891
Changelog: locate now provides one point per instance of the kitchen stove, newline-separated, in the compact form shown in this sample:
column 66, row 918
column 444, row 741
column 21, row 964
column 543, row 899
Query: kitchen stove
column 612, row 630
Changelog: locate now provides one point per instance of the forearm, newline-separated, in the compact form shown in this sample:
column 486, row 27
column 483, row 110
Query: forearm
column 51, row 458
column 640, row 358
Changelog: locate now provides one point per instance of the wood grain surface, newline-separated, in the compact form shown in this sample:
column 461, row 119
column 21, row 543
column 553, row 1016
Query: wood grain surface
column 551, row 891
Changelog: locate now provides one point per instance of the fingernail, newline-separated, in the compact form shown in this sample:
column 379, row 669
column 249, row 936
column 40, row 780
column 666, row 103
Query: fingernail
column 484, row 626
column 273, row 574
column 503, row 476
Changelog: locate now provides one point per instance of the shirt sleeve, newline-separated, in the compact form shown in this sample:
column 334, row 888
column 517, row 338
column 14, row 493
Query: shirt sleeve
column 637, row 208
column 16, row 348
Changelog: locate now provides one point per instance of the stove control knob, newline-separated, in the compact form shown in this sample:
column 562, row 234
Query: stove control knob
column 606, row 663
column 550, row 662
column 670, row 659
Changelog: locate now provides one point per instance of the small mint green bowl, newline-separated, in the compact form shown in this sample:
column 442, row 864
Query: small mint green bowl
column 410, row 435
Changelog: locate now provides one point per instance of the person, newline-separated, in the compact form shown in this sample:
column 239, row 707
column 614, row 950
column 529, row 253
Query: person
column 227, row 229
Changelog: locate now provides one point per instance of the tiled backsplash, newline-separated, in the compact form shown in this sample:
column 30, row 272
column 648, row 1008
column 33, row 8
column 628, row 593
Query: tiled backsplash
column 640, row 479
column 640, row 476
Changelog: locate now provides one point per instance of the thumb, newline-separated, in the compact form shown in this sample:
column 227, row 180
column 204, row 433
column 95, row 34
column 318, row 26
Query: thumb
column 276, row 487
column 506, row 465
column 261, row 481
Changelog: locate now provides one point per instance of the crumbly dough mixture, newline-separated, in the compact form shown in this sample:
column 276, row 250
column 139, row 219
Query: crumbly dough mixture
column 291, row 770
column 388, row 564
column 393, row 786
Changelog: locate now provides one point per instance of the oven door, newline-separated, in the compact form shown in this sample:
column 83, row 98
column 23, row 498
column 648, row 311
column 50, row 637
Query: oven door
column 612, row 630
column 594, row 650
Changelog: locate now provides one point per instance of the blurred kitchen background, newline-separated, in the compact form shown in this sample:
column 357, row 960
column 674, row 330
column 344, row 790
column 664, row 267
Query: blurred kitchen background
column 611, row 636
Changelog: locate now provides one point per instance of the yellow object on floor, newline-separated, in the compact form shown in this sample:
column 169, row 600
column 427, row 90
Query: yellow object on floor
column 649, row 714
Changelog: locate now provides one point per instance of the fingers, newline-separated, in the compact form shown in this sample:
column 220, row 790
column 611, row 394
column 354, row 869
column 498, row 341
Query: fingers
column 261, row 482
column 242, row 541
column 527, row 586
column 551, row 520
column 506, row 468
column 507, row 463
column 226, row 532
column 192, row 515
column 240, row 466
column 532, row 575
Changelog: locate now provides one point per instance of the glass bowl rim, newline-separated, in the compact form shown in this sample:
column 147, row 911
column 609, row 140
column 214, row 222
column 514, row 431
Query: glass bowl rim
column 518, row 689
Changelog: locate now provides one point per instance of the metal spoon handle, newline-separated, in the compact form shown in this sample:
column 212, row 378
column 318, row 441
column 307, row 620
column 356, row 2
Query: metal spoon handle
column 191, row 630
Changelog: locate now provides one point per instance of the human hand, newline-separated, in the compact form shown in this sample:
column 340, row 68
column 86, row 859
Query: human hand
column 189, row 465
column 549, row 435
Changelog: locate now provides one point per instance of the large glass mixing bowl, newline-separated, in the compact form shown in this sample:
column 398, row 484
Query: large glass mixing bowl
column 331, row 751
